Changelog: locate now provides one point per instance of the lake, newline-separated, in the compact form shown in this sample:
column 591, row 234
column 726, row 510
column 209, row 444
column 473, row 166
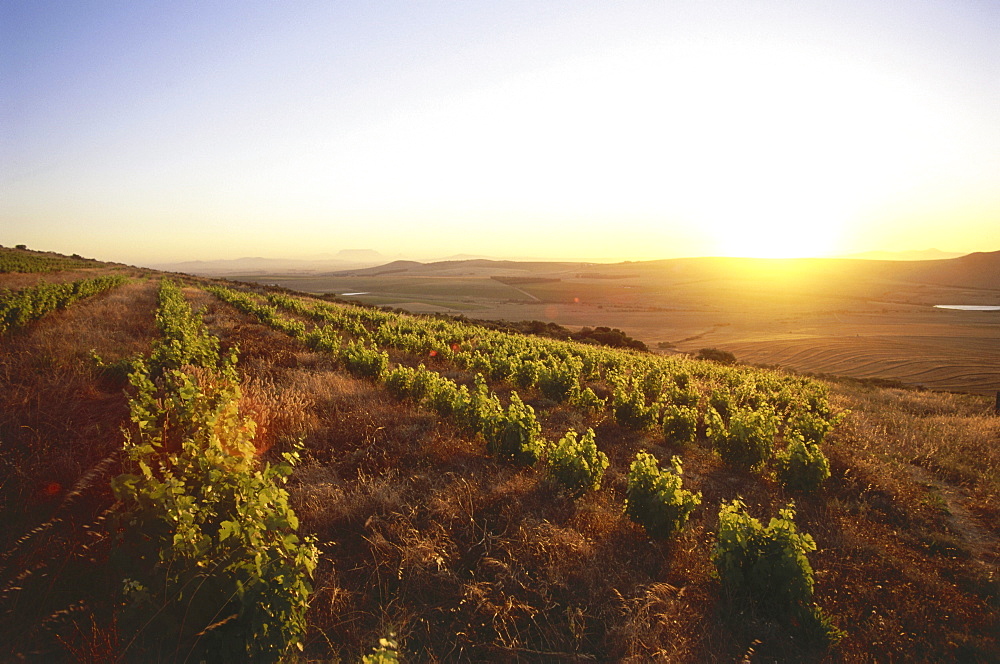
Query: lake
column 968, row 307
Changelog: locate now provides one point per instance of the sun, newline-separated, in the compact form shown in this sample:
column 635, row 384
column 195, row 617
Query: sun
column 772, row 238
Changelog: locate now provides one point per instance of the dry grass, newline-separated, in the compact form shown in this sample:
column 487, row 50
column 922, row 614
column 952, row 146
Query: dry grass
column 60, row 429
column 59, row 413
column 955, row 437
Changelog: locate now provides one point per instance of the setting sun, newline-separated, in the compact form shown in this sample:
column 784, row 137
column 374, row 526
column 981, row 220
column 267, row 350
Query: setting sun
column 627, row 134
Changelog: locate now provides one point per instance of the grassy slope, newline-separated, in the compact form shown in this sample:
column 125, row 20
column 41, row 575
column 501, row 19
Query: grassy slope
column 466, row 558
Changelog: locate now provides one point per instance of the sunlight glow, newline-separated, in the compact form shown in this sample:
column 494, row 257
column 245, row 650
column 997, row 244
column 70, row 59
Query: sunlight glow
column 625, row 132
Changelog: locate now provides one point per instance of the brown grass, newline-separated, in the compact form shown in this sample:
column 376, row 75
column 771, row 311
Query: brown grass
column 60, row 430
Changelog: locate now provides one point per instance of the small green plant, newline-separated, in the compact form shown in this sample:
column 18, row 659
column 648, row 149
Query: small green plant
column 576, row 464
column 516, row 434
column 802, row 466
column 810, row 426
column 769, row 567
column 387, row 652
column 117, row 371
column 748, row 440
column 559, row 381
column 364, row 361
column 654, row 497
column 587, row 401
column 680, row 424
column 630, row 408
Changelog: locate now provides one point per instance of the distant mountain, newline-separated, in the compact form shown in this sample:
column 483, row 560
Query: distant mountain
column 259, row 265
column 912, row 255
column 977, row 270
column 466, row 257
column 475, row 267
column 360, row 256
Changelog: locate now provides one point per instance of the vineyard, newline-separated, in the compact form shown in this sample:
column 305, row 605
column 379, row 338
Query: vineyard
column 23, row 260
column 219, row 472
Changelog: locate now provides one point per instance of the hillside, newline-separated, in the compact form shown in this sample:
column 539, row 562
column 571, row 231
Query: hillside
column 860, row 318
column 432, row 518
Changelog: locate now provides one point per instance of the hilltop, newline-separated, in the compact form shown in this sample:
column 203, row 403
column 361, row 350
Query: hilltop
column 426, row 529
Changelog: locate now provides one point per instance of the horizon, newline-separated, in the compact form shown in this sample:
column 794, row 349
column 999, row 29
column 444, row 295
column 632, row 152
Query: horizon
column 376, row 258
column 594, row 133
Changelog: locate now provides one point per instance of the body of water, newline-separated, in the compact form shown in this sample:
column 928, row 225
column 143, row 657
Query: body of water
column 968, row 307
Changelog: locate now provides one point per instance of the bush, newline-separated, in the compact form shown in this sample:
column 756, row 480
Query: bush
column 526, row 373
column 576, row 464
column 813, row 428
column 655, row 499
column 631, row 409
column 516, row 435
column 387, row 652
column 323, row 338
column 722, row 402
column 447, row 398
column 363, row 361
column 399, row 381
column 682, row 396
column 769, row 567
column 587, row 401
column 765, row 565
column 651, row 383
column 748, row 440
column 422, row 383
column 680, row 424
column 802, row 466
column 560, row 381
column 716, row 355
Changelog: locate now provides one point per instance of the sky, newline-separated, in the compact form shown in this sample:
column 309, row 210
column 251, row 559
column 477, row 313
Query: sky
column 148, row 132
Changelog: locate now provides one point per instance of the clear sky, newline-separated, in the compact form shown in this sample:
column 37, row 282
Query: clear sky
column 153, row 131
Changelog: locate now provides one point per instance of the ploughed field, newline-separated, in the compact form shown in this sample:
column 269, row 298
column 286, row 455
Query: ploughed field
column 435, row 499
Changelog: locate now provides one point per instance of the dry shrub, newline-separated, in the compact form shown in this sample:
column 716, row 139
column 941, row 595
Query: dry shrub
column 559, row 555
column 658, row 625
column 281, row 413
